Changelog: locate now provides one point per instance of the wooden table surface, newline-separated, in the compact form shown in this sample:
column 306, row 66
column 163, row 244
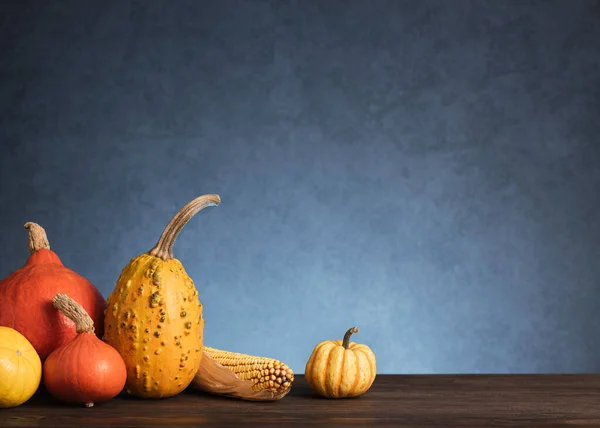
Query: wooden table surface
column 394, row 400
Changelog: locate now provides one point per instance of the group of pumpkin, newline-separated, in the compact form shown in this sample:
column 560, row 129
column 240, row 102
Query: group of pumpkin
column 146, row 339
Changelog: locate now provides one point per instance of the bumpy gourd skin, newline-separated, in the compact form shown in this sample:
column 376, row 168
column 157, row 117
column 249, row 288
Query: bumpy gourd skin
column 154, row 319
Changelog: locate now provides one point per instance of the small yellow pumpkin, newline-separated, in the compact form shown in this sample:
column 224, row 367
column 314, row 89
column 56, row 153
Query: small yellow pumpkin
column 154, row 316
column 20, row 369
column 340, row 368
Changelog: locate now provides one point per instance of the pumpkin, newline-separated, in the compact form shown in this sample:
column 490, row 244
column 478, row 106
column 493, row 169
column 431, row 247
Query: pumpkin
column 154, row 316
column 340, row 368
column 86, row 370
column 26, row 296
column 20, row 368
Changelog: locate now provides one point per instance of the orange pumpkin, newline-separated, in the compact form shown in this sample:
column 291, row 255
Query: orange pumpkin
column 85, row 370
column 340, row 368
column 26, row 296
column 20, row 368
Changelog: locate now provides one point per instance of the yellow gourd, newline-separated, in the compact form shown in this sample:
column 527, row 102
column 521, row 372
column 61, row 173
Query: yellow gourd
column 20, row 368
column 340, row 368
column 154, row 317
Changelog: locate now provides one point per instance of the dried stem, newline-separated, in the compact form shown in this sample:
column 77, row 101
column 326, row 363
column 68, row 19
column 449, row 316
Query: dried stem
column 346, row 341
column 37, row 237
column 75, row 312
column 164, row 247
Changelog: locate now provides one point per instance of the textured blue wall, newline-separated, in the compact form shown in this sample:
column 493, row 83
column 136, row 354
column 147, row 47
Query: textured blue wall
column 428, row 170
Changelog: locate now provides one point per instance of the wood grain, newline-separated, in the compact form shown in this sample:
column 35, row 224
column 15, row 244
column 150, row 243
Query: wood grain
column 393, row 401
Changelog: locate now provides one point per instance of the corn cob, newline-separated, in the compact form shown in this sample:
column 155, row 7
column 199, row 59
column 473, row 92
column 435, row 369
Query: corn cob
column 264, row 373
column 242, row 376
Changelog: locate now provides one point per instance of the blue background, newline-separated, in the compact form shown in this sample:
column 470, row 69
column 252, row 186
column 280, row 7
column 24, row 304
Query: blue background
column 427, row 171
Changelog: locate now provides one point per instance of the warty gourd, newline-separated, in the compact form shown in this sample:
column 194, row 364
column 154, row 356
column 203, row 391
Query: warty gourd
column 154, row 317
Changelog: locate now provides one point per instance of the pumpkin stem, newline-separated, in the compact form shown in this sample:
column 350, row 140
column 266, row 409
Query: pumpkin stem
column 346, row 341
column 75, row 312
column 38, row 239
column 164, row 247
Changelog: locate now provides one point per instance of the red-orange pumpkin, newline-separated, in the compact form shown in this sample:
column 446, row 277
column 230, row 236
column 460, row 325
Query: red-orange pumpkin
column 86, row 370
column 26, row 297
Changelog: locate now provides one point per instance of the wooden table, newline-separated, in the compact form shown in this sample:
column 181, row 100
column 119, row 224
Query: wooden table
column 394, row 401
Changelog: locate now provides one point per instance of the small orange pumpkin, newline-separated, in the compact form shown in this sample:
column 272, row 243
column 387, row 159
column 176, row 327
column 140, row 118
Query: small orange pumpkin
column 86, row 370
column 340, row 368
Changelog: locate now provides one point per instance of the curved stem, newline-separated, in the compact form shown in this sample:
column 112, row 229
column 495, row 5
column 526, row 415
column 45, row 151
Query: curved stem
column 37, row 237
column 164, row 247
column 75, row 312
column 346, row 341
